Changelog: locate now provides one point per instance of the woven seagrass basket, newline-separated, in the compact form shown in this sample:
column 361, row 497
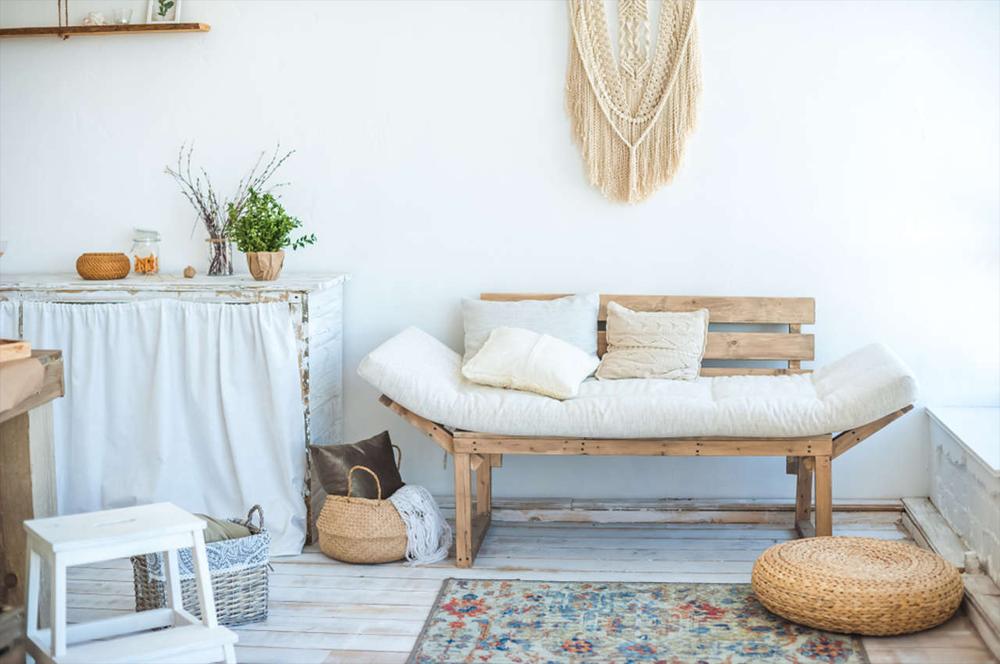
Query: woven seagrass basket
column 238, row 568
column 100, row 266
column 361, row 530
column 857, row 585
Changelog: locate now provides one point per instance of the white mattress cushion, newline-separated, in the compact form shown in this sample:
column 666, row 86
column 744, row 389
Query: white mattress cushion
column 422, row 374
column 526, row 360
column 572, row 318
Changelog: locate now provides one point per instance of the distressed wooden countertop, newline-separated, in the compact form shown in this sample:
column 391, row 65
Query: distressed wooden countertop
column 69, row 282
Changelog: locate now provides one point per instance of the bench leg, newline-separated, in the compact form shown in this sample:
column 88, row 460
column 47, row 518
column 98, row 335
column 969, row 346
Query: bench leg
column 484, row 487
column 463, row 510
column 824, row 497
column 803, row 497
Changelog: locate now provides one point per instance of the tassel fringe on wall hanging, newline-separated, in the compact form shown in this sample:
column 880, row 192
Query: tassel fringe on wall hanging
column 632, row 116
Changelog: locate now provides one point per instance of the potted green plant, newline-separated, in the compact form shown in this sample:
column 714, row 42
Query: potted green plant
column 214, row 211
column 262, row 229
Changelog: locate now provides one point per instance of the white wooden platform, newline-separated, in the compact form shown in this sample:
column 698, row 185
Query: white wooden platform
column 323, row 611
column 965, row 478
column 975, row 429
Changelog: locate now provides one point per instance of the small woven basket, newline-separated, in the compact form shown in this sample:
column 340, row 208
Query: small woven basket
column 361, row 530
column 238, row 568
column 857, row 585
column 103, row 266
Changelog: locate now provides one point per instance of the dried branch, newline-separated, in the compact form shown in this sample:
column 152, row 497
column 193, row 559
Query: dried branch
column 256, row 181
column 212, row 211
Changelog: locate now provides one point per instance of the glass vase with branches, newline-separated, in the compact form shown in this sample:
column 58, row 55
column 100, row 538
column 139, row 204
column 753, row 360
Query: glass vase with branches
column 217, row 213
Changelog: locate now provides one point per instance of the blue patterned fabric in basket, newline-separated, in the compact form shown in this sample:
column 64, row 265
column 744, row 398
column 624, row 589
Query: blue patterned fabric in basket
column 223, row 556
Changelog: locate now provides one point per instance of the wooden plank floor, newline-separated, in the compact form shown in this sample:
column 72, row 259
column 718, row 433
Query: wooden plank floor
column 323, row 611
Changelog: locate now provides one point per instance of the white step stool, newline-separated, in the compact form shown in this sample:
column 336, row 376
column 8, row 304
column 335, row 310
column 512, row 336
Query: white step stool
column 88, row 538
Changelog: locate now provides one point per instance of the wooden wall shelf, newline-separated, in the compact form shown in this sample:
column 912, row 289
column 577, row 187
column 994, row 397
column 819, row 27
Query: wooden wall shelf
column 67, row 31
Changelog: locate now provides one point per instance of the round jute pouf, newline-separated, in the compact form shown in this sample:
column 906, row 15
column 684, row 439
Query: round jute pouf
column 857, row 585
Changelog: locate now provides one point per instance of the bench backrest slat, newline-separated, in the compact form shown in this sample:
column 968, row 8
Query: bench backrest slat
column 791, row 347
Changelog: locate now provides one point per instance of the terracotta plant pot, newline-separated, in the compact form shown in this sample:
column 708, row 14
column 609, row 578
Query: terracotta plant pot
column 265, row 265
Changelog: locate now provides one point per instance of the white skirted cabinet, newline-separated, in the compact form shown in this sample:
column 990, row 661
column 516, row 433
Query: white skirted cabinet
column 203, row 392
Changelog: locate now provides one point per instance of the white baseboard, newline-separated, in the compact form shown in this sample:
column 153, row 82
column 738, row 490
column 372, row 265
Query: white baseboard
column 675, row 510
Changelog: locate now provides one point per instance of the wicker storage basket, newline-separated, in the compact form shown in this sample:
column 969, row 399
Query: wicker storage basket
column 103, row 266
column 361, row 530
column 239, row 576
column 857, row 585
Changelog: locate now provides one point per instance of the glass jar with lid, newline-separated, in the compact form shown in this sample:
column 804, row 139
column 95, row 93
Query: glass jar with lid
column 145, row 251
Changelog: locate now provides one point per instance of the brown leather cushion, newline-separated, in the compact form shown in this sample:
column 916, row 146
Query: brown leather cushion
column 331, row 463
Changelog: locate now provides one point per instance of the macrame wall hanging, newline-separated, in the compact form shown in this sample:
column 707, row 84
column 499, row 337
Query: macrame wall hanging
column 632, row 115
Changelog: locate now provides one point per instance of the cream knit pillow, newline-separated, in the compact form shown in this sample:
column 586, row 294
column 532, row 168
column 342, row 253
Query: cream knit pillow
column 657, row 344
column 526, row 360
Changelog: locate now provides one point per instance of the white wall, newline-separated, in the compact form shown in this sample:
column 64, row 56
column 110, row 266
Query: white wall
column 847, row 151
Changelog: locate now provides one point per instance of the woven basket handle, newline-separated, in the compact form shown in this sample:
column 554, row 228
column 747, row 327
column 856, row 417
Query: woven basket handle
column 399, row 456
column 350, row 473
column 260, row 518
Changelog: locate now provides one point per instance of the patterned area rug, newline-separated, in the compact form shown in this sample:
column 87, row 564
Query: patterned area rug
column 525, row 622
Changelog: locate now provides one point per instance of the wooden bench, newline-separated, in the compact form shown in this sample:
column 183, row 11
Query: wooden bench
column 728, row 352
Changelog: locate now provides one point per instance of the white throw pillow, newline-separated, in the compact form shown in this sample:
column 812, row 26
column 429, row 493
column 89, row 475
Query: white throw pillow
column 654, row 344
column 526, row 360
column 572, row 319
